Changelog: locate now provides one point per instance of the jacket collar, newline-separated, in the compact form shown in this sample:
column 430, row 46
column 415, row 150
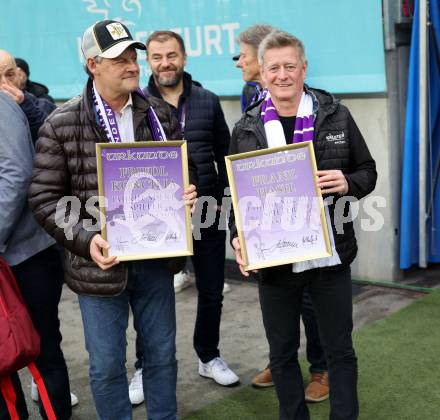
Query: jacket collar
column 253, row 123
column 140, row 106
column 187, row 86
column 323, row 102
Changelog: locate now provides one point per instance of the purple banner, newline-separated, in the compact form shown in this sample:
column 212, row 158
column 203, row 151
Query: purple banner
column 278, row 208
column 143, row 188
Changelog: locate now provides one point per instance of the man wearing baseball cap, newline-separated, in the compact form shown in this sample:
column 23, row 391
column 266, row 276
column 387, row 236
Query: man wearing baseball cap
column 111, row 109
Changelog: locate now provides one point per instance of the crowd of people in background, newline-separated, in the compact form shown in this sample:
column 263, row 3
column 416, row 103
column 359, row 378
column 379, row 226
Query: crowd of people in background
column 48, row 152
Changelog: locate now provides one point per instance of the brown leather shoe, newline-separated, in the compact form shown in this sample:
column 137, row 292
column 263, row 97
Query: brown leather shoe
column 263, row 379
column 318, row 389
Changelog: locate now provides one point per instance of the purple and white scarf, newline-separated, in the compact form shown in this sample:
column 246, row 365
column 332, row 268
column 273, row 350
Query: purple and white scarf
column 107, row 119
column 303, row 132
column 303, row 123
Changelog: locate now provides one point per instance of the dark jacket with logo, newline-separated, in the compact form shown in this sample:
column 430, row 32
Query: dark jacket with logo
column 65, row 165
column 338, row 144
column 206, row 133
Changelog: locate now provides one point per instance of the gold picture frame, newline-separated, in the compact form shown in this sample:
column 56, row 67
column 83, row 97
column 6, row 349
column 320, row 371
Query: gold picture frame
column 287, row 171
column 152, row 223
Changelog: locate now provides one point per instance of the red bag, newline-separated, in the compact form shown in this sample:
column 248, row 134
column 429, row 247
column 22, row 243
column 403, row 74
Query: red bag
column 19, row 342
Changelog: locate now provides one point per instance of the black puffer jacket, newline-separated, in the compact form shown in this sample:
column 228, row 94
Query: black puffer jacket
column 65, row 164
column 206, row 133
column 338, row 144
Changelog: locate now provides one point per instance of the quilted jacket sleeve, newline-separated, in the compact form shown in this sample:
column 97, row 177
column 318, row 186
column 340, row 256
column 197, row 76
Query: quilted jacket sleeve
column 50, row 184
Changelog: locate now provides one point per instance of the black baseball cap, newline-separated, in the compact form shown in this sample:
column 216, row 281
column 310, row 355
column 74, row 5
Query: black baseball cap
column 23, row 65
column 107, row 39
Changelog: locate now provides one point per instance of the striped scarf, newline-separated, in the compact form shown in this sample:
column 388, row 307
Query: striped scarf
column 303, row 132
column 107, row 119
column 303, row 123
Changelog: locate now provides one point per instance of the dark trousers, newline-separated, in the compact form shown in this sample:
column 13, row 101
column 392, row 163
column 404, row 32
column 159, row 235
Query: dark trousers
column 209, row 268
column 314, row 351
column 281, row 294
column 40, row 279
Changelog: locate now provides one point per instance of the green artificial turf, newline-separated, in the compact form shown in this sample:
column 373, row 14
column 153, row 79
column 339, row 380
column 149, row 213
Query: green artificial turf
column 399, row 373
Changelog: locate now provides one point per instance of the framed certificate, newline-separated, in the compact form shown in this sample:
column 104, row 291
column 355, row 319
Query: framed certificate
column 279, row 211
column 141, row 184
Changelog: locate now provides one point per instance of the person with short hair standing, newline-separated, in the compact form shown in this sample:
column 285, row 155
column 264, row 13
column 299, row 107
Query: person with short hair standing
column 111, row 109
column 345, row 168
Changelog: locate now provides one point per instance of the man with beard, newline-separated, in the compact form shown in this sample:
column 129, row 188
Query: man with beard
column 204, row 128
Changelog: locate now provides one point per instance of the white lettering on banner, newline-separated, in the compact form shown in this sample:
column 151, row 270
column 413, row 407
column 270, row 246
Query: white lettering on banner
column 214, row 39
column 141, row 36
column 191, row 52
column 78, row 45
column 230, row 27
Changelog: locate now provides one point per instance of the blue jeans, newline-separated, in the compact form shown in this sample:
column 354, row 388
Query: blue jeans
column 150, row 293
column 209, row 267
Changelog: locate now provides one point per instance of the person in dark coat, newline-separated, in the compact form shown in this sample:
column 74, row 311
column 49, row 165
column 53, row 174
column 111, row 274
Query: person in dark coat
column 111, row 109
column 317, row 389
column 247, row 62
column 35, row 109
column 290, row 113
column 37, row 89
column 204, row 128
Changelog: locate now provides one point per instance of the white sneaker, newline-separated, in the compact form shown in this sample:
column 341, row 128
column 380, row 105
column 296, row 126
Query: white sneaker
column 35, row 397
column 181, row 281
column 34, row 391
column 73, row 399
column 218, row 370
column 136, row 389
column 226, row 288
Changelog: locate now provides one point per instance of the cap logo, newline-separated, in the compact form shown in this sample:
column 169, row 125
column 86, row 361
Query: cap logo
column 116, row 30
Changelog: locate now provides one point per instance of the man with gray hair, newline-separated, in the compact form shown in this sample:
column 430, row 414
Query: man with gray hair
column 247, row 61
column 111, row 109
column 345, row 168
column 317, row 390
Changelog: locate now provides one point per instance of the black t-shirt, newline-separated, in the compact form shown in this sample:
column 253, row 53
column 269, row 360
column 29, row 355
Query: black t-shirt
column 288, row 124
